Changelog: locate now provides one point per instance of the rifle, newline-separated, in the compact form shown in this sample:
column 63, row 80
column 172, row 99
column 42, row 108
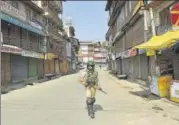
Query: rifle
column 102, row 91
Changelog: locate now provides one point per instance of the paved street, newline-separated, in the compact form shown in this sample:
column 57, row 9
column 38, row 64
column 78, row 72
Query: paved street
column 62, row 102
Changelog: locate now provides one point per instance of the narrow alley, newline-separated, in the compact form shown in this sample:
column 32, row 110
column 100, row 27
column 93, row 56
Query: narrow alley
column 62, row 102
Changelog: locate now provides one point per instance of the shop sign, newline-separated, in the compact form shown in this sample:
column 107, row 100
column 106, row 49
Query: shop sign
column 31, row 54
column 132, row 52
column 7, row 8
column 129, row 53
column 11, row 49
column 35, row 25
column 175, row 89
column 49, row 56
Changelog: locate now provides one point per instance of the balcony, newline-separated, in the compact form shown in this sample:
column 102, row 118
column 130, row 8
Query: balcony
column 11, row 40
column 22, row 43
column 35, row 4
column 49, row 13
column 56, row 5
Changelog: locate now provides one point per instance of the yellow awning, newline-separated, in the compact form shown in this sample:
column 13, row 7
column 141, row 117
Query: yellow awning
column 162, row 41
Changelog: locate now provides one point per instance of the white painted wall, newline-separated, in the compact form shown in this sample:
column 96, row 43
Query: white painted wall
column 84, row 47
column 68, row 49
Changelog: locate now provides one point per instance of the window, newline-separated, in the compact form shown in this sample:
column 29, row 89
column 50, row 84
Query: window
column 15, row 4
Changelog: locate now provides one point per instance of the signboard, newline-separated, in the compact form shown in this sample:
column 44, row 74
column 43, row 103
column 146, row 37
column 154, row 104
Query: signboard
column 174, row 11
column 129, row 53
column 11, row 49
column 7, row 8
column 32, row 54
column 175, row 89
column 35, row 25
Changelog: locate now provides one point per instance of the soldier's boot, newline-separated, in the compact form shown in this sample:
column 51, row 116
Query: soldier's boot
column 90, row 107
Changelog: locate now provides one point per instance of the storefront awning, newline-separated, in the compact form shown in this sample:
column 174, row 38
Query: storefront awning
column 160, row 42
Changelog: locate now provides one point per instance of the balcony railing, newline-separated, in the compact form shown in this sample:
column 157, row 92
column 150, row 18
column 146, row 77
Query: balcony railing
column 51, row 14
column 35, row 4
column 22, row 43
column 56, row 5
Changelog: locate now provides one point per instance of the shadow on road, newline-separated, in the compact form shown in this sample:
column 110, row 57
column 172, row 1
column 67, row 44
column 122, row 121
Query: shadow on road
column 145, row 94
column 97, row 108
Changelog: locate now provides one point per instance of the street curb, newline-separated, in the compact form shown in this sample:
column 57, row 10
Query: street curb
column 170, row 102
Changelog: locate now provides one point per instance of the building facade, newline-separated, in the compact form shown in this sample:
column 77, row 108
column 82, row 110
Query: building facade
column 126, row 30
column 29, row 34
column 92, row 51
column 131, row 25
column 72, row 46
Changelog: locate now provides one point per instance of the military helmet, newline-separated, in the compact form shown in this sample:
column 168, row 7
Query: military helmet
column 90, row 63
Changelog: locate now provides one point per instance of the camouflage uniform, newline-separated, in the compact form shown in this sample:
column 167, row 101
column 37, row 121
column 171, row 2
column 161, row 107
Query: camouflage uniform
column 91, row 84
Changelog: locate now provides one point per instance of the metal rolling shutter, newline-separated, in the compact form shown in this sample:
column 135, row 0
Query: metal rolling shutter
column 57, row 67
column 136, row 71
column 144, row 67
column 32, row 72
column 40, row 69
column 52, row 66
column 5, row 68
column 19, row 67
column 47, row 66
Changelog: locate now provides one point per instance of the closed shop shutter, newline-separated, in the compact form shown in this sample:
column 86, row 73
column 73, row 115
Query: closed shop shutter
column 5, row 69
column 57, row 66
column 32, row 68
column 144, row 67
column 119, row 70
column 126, row 66
column 47, row 66
column 40, row 69
column 52, row 66
column 19, row 66
column 136, row 71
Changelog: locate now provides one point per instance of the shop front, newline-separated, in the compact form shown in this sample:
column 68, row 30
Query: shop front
column 33, row 60
column 40, row 69
column 57, row 68
column 5, row 69
column 130, row 63
column 163, row 54
column 6, row 51
column 19, row 68
column 49, row 63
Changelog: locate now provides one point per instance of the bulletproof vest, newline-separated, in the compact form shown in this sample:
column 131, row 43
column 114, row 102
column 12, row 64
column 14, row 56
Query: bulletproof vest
column 91, row 77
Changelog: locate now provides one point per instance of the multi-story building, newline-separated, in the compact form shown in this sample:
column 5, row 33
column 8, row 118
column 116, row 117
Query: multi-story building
column 72, row 45
column 134, row 27
column 162, row 23
column 92, row 51
column 126, row 30
column 99, row 54
column 30, row 33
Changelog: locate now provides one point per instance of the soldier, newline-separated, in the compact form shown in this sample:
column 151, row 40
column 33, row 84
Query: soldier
column 90, row 81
